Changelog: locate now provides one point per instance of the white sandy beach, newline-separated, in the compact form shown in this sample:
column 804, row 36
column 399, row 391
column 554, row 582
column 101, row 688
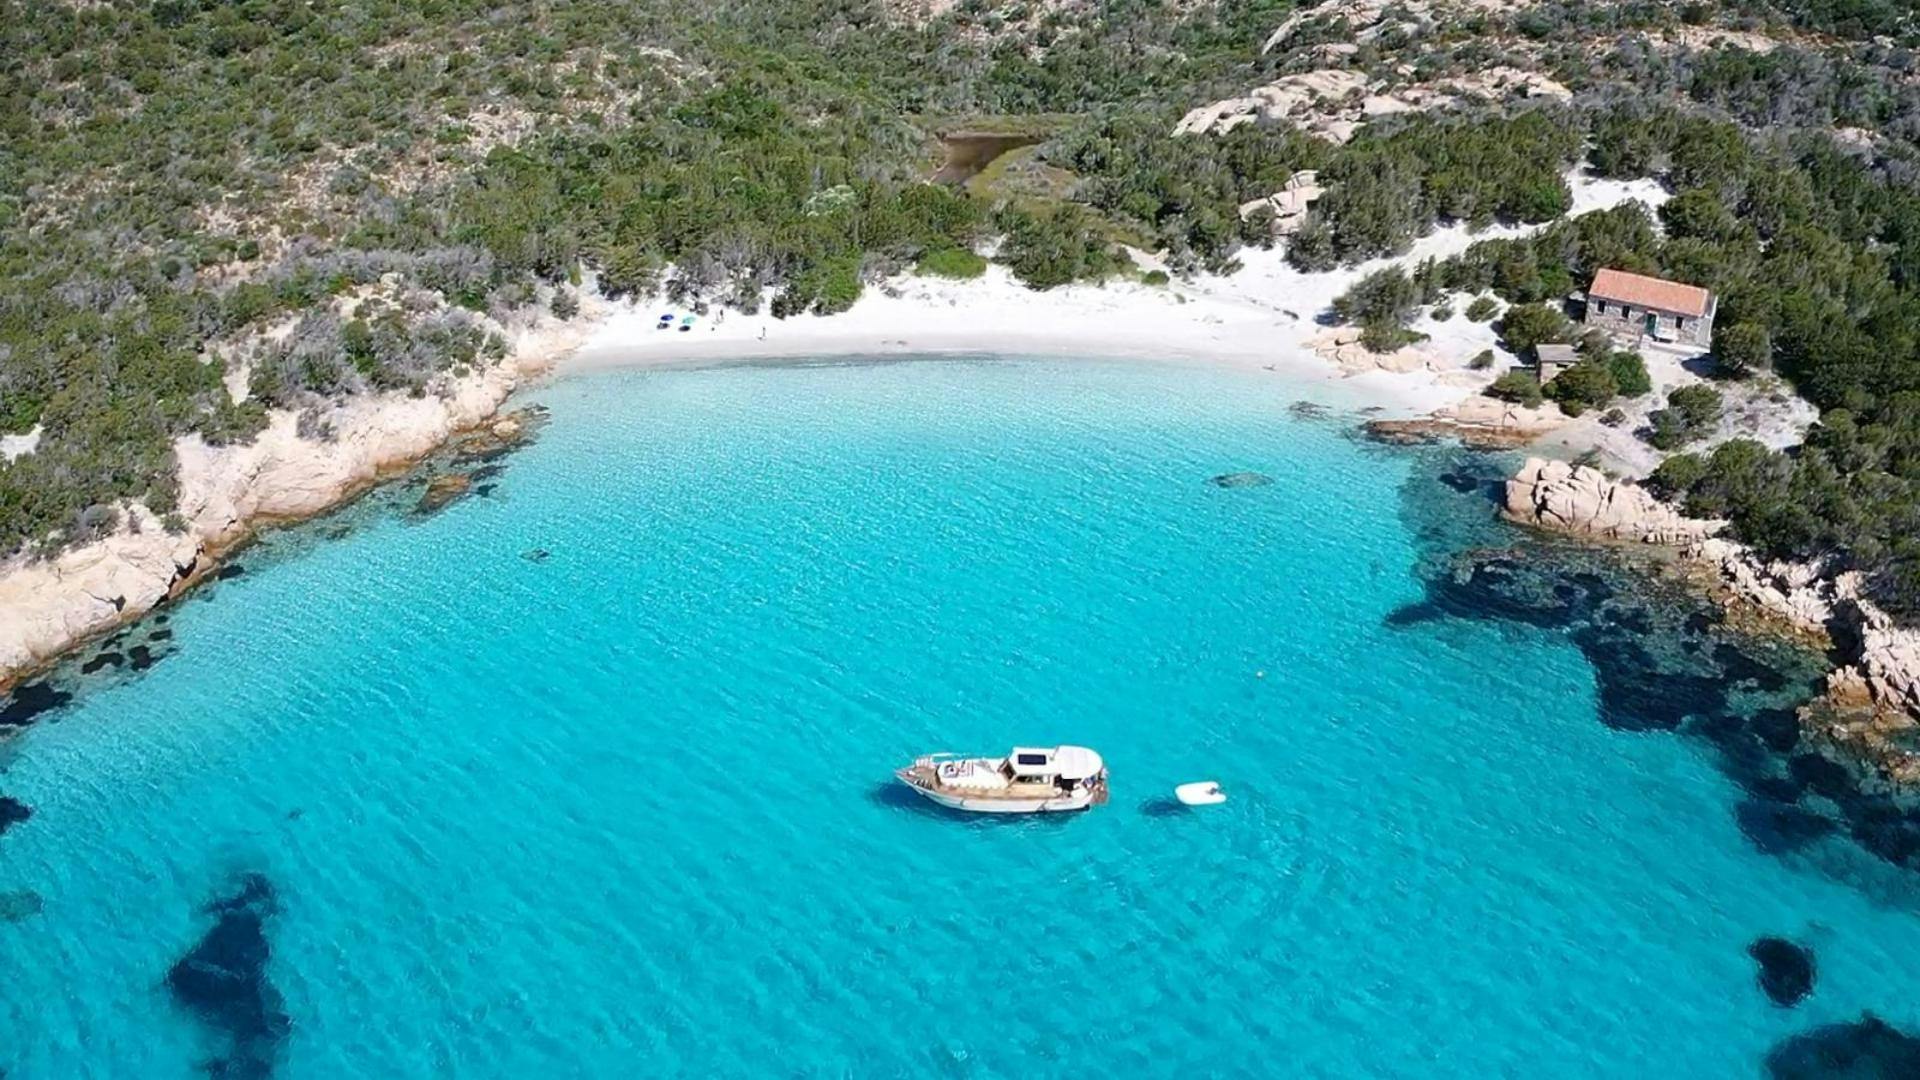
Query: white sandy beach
column 1266, row 315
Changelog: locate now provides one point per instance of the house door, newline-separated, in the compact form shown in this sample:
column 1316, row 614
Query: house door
column 1653, row 324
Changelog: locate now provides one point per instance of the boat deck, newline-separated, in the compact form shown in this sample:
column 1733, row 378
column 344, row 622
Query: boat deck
column 929, row 779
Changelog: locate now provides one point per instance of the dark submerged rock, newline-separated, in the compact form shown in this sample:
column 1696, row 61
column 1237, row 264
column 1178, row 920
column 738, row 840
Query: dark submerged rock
column 140, row 658
column 1786, row 969
column 1867, row 1049
column 160, row 635
column 102, row 660
column 500, row 438
column 442, row 491
column 1778, row 827
column 1782, row 789
column 1821, row 774
column 223, row 981
column 28, row 702
column 13, row 812
column 228, row 571
column 536, row 555
column 1779, row 729
column 1883, row 828
column 1464, row 483
column 1662, row 660
column 1240, row 480
column 19, row 905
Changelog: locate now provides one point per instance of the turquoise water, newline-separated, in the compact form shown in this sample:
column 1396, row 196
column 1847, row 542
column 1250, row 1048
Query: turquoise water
column 626, row 811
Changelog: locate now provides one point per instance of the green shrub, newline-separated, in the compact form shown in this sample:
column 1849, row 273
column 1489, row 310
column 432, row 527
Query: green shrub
column 1385, row 297
column 1055, row 247
column 1583, row 386
column 1666, row 430
column 1698, row 403
column 1483, row 308
column 1482, row 360
column 1690, row 415
column 1676, row 475
column 1155, row 277
column 1386, row 337
column 1517, row 386
column 1526, row 326
column 951, row 262
column 1630, row 374
column 824, row 288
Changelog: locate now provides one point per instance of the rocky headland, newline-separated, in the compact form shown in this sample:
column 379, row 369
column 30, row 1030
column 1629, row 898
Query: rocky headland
column 289, row 472
column 1584, row 501
column 1870, row 713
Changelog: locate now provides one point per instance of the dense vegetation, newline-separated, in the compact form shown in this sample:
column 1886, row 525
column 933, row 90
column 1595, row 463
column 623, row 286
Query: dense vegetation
column 386, row 182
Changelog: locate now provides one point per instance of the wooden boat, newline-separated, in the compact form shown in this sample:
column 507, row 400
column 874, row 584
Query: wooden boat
column 1030, row 780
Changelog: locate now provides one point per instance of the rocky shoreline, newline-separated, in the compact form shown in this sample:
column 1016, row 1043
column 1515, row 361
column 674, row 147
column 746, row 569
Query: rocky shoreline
column 1478, row 423
column 1870, row 712
column 51, row 607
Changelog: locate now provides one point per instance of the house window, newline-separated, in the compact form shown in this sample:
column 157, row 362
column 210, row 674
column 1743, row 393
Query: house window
column 1679, row 323
column 1602, row 306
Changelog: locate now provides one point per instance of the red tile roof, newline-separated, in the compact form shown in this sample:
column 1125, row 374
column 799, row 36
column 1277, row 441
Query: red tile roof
column 1638, row 290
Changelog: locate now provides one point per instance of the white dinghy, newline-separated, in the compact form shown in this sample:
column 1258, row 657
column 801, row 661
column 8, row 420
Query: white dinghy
column 1200, row 793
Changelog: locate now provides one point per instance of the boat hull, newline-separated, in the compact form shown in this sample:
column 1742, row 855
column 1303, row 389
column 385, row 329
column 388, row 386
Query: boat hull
column 974, row 804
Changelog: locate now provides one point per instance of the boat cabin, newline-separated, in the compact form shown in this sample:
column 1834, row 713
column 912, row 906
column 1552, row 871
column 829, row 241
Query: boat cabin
column 1064, row 767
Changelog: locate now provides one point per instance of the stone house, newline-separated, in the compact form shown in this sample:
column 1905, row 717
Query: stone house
column 1551, row 360
column 1633, row 307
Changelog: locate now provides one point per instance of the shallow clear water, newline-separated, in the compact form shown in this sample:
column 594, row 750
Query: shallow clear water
column 627, row 810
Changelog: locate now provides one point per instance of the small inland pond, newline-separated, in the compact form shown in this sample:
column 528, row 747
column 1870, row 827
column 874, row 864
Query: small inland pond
column 970, row 152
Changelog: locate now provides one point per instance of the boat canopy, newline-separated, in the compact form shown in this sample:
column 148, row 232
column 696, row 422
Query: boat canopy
column 1077, row 763
column 1065, row 762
